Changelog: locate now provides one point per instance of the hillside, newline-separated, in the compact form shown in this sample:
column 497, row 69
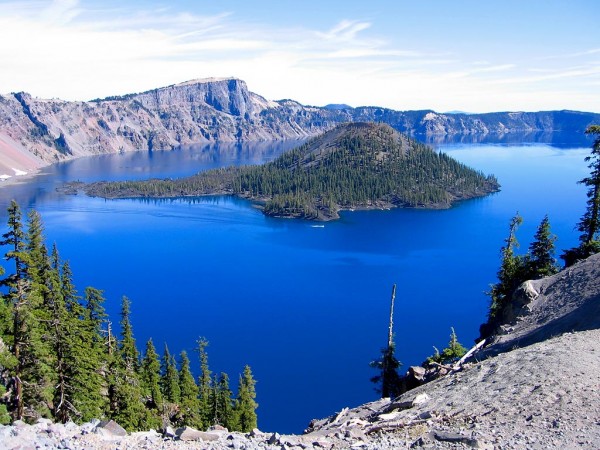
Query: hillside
column 355, row 165
column 36, row 132
column 538, row 393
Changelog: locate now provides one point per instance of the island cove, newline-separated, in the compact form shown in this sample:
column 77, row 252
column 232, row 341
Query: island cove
column 353, row 166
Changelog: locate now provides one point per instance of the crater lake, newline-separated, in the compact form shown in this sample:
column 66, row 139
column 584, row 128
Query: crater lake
column 305, row 304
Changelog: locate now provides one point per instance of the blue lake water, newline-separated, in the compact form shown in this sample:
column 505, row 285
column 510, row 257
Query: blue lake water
column 306, row 306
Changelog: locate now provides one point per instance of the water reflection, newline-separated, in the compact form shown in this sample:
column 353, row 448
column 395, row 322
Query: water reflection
column 557, row 139
column 180, row 162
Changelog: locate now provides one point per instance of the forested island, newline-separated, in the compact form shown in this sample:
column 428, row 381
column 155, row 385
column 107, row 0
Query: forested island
column 353, row 166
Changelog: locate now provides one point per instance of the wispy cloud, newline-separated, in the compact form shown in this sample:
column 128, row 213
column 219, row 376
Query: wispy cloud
column 589, row 52
column 72, row 50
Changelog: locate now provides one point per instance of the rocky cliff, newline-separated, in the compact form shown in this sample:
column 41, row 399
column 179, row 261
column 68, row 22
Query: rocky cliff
column 36, row 132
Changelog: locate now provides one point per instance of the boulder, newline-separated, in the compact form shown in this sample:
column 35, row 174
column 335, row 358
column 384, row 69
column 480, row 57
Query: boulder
column 255, row 433
column 191, row 434
column 455, row 438
column 169, row 432
column 111, row 428
column 418, row 373
column 274, row 439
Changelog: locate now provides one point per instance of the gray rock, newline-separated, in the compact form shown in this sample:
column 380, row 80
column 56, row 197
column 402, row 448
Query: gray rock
column 169, row 432
column 425, row 415
column 112, row 428
column 355, row 433
column 191, row 434
column 274, row 439
column 447, row 436
column 417, row 372
column 255, row 433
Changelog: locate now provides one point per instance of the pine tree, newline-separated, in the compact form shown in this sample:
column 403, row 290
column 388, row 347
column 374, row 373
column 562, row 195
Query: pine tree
column 541, row 261
column 169, row 384
column 389, row 378
column 205, row 390
column 190, row 407
column 224, row 414
column 18, row 288
column 245, row 406
column 170, row 378
column 127, row 346
column 37, row 358
column 128, row 409
column 91, row 352
column 387, row 364
column 150, row 381
column 62, row 333
column 511, row 270
column 589, row 225
column 514, row 269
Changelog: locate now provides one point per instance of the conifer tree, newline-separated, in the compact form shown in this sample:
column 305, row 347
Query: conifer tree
column 245, row 407
column 589, row 224
column 91, row 353
column 511, row 271
column 128, row 409
column 452, row 352
column 150, row 379
column 62, row 333
column 389, row 378
column 387, row 364
column 127, row 347
column 205, row 390
column 223, row 413
column 38, row 357
column 18, row 288
column 170, row 378
column 541, row 261
column 190, row 408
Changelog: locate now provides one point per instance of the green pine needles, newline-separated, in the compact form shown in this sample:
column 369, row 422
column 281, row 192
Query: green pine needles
column 514, row 269
column 60, row 359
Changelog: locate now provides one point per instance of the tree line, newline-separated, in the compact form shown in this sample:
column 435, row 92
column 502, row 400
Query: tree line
column 60, row 358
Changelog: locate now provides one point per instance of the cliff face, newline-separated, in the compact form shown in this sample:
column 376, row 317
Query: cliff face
column 35, row 132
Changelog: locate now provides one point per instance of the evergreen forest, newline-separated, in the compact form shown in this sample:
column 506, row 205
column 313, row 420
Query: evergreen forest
column 357, row 165
column 60, row 357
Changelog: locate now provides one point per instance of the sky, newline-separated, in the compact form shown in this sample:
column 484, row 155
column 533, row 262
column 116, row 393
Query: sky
column 461, row 55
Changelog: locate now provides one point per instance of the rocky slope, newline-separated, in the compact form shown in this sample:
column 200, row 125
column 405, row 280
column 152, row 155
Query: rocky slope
column 36, row 132
column 534, row 387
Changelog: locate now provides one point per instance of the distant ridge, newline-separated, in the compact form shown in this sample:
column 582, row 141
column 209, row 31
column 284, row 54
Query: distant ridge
column 36, row 132
column 337, row 106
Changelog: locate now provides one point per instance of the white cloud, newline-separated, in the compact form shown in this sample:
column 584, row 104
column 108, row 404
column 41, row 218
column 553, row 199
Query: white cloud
column 68, row 50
